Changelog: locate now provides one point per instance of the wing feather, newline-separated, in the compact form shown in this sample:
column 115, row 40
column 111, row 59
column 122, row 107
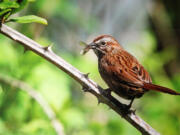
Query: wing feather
column 126, row 68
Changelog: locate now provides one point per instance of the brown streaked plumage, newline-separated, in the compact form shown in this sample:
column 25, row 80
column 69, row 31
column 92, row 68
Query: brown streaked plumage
column 121, row 71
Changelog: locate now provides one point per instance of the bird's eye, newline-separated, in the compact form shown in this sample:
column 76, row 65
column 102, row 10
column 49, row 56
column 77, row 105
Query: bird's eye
column 103, row 43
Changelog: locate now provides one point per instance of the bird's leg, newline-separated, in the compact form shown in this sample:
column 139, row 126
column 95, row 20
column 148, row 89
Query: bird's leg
column 130, row 104
column 127, row 108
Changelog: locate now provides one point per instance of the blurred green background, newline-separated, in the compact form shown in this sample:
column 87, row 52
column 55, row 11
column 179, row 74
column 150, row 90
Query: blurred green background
column 150, row 30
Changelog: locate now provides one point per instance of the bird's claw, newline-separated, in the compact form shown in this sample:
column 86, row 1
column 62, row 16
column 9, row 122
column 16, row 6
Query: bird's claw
column 127, row 110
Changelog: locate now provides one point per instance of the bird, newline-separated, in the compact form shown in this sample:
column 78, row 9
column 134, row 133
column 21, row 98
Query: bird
column 121, row 71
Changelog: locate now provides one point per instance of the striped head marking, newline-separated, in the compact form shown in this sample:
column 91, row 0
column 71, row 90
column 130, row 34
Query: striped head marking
column 105, row 40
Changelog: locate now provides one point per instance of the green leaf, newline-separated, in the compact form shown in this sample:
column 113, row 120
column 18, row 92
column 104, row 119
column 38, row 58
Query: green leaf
column 4, row 11
column 8, row 4
column 22, row 4
column 29, row 19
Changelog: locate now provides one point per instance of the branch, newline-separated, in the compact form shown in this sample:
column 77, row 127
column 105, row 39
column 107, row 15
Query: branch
column 38, row 97
column 81, row 78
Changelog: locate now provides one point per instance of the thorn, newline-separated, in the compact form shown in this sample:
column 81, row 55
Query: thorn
column 48, row 48
column 85, row 88
column 99, row 101
column 25, row 49
column 86, row 75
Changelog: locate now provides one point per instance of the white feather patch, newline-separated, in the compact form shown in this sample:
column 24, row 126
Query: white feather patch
column 105, row 39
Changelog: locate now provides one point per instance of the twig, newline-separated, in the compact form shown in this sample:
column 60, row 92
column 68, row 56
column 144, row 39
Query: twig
column 38, row 97
column 90, row 86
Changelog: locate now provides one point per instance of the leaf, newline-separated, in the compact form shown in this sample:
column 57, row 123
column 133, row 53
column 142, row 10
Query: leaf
column 4, row 11
column 29, row 19
column 82, row 43
column 22, row 4
column 8, row 4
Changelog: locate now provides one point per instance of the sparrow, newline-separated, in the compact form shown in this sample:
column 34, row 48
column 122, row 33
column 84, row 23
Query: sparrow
column 121, row 71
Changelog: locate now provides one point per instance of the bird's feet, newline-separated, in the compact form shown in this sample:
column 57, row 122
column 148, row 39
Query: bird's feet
column 127, row 110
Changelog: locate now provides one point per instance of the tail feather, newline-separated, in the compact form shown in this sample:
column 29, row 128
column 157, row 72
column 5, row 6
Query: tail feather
column 154, row 87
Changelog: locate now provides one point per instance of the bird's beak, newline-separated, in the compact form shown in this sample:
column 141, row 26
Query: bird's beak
column 92, row 45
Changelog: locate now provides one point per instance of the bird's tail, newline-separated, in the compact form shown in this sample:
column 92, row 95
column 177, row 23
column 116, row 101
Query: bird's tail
column 154, row 87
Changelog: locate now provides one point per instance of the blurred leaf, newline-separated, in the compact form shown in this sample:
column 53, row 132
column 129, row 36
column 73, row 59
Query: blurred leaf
column 8, row 4
column 31, row 0
column 74, row 118
column 4, row 11
column 37, row 126
column 1, row 89
column 29, row 19
column 22, row 4
column 53, row 85
column 6, row 8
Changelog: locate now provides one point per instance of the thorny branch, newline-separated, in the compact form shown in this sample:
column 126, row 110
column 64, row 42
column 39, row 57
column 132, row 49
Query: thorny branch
column 38, row 97
column 81, row 78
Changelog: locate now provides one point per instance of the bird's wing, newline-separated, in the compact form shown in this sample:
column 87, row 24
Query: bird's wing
column 126, row 68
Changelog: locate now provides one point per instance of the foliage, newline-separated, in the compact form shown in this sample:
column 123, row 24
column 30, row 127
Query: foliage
column 9, row 7
column 28, row 19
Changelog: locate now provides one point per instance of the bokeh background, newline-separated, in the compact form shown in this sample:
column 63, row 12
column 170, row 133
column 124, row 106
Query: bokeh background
column 148, row 29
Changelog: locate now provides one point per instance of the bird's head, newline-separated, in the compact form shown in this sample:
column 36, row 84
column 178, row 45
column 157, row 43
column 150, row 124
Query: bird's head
column 103, row 44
